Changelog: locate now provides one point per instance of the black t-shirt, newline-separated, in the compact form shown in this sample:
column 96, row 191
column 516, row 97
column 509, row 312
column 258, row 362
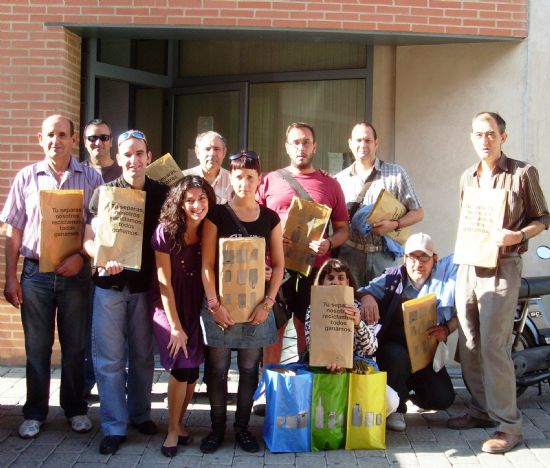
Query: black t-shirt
column 137, row 281
column 262, row 227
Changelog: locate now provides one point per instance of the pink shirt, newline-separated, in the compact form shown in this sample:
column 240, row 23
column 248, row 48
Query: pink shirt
column 275, row 193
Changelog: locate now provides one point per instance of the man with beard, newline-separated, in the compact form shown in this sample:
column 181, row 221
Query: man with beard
column 276, row 193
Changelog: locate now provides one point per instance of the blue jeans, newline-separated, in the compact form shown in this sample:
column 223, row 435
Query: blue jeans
column 43, row 295
column 367, row 266
column 120, row 317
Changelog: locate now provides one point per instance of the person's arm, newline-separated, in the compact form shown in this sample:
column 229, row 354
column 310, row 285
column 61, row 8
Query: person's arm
column 369, row 297
column 12, row 288
column 208, row 273
column 408, row 219
column 442, row 331
column 365, row 341
column 261, row 311
column 339, row 236
column 506, row 237
column 178, row 337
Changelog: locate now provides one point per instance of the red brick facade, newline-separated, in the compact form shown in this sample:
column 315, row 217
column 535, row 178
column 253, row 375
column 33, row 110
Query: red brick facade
column 40, row 65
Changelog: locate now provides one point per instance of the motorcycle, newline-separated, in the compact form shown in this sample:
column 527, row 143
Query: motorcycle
column 531, row 345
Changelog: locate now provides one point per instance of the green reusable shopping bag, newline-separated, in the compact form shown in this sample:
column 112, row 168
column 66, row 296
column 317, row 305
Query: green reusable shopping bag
column 329, row 402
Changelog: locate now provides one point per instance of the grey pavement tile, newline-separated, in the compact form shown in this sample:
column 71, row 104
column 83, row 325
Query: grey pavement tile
column 92, row 455
column 124, row 460
column 420, row 434
column 494, row 461
column 534, row 413
column 542, row 423
column 25, row 464
column 279, row 458
column 448, row 437
column 152, row 455
column 318, row 461
column 396, row 439
column 86, row 465
column 461, row 456
column 533, row 432
column 57, row 460
column 373, row 462
column 370, row 454
column 36, row 452
column 402, row 457
column 475, row 434
column 242, row 461
column 181, row 461
column 340, row 458
column 426, row 448
column 72, row 445
column 8, row 457
column 51, row 437
column 14, row 443
column 434, row 461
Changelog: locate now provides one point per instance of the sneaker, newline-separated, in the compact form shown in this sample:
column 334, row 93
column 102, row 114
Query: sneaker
column 396, row 422
column 29, row 428
column 81, row 423
column 110, row 444
column 247, row 441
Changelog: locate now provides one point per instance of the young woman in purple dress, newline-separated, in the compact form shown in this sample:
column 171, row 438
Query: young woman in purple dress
column 177, row 300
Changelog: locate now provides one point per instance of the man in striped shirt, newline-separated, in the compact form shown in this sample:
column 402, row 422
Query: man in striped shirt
column 486, row 298
column 41, row 295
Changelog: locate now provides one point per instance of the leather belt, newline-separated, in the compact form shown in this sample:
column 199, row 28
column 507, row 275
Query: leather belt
column 366, row 248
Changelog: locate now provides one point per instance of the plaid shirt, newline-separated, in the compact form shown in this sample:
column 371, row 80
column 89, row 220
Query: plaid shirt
column 22, row 208
column 387, row 176
column 525, row 200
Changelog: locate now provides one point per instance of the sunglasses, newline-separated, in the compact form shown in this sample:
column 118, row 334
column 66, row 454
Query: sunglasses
column 244, row 154
column 94, row 138
column 132, row 134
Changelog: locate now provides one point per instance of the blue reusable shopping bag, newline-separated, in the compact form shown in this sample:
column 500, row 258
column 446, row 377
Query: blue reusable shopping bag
column 288, row 407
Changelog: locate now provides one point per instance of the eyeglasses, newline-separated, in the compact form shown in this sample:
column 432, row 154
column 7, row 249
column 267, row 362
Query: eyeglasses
column 244, row 154
column 132, row 134
column 481, row 135
column 94, row 138
column 420, row 258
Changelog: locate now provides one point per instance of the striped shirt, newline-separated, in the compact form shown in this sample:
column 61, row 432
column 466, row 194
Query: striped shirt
column 525, row 200
column 387, row 176
column 22, row 210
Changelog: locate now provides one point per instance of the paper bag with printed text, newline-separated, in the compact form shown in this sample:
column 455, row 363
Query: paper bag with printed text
column 119, row 234
column 165, row 169
column 61, row 226
column 387, row 207
column 331, row 332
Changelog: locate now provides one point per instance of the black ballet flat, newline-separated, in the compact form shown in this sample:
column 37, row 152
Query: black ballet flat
column 169, row 452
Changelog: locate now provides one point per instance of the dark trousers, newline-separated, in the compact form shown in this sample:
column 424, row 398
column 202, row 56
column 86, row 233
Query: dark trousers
column 432, row 390
column 216, row 368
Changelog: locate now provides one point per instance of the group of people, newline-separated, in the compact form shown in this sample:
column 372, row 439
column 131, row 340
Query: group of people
column 113, row 317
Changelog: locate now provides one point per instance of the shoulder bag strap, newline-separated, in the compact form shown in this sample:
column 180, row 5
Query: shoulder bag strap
column 238, row 222
column 296, row 186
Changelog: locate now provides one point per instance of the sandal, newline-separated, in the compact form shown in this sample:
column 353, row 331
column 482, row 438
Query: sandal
column 211, row 442
column 247, row 441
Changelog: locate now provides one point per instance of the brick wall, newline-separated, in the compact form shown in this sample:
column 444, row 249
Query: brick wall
column 40, row 66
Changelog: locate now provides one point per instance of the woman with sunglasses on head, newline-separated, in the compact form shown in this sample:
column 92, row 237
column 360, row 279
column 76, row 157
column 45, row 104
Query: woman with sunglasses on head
column 177, row 296
column 222, row 334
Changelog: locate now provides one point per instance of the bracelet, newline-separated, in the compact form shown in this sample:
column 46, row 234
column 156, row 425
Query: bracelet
column 523, row 236
column 213, row 301
column 213, row 309
column 269, row 298
column 329, row 243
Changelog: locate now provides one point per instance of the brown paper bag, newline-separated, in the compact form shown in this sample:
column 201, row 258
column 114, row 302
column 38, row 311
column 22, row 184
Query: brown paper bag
column 481, row 214
column 418, row 315
column 61, row 226
column 390, row 208
column 119, row 232
column 331, row 332
column 241, row 275
column 165, row 170
column 306, row 222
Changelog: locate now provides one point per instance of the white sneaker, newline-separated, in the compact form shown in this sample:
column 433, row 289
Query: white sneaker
column 81, row 423
column 29, row 428
column 396, row 422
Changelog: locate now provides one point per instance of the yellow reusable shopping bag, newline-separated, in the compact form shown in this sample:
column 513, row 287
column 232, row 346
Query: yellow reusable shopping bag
column 366, row 421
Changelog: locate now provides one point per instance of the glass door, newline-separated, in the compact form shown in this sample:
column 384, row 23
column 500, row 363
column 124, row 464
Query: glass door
column 199, row 109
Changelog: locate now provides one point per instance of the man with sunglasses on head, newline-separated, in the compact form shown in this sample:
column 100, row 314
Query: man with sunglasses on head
column 120, row 317
column 61, row 296
column 421, row 273
column 211, row 148
column 98, row 140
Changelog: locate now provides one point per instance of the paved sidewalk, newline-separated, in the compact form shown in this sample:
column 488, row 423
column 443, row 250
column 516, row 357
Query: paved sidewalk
column 426, row 443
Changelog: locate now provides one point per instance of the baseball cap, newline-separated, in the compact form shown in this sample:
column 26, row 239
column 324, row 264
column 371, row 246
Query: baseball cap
column 419, row 241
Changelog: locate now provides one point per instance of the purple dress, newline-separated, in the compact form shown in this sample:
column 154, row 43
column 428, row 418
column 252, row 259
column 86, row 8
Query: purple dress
column 188, row 292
